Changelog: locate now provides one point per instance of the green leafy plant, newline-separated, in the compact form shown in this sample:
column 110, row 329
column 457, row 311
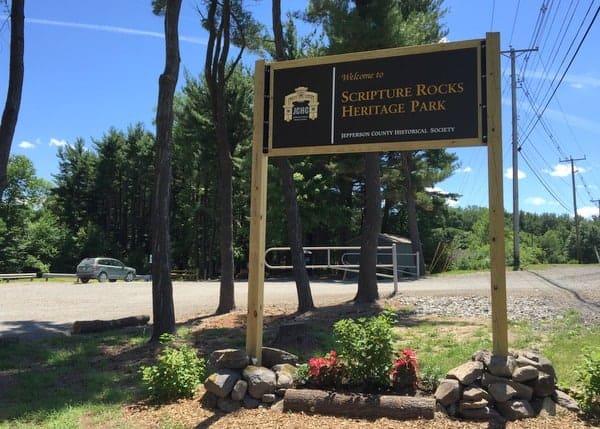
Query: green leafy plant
column 325, row 371
column 429, row 378
column 405, row 371
column 302, row 374
column 588, row 376
column 177, row 373
column 366, row 348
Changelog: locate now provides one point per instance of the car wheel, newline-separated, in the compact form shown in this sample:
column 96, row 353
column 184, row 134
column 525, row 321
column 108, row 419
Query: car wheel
column 129, row 277
column 102, row 277
column 84, row 280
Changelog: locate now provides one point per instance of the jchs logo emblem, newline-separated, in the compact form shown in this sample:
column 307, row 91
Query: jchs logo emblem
column 301, row 105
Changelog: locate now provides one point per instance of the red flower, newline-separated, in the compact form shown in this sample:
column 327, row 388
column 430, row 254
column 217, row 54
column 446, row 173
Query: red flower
column 405, row 369
column 325, row 371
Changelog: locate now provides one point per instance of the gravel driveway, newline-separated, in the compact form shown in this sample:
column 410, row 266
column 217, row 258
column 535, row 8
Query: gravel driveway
column 31, row 309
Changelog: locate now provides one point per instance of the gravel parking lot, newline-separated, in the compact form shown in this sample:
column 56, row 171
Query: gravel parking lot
column 31, row 309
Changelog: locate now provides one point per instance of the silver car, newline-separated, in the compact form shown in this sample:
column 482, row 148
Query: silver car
column 104, row 269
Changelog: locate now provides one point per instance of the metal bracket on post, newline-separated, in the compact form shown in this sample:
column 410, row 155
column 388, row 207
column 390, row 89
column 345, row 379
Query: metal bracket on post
column 266, row 108
column 395, row 268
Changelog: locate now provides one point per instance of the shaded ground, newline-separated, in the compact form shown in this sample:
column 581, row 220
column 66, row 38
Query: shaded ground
column 215, row 332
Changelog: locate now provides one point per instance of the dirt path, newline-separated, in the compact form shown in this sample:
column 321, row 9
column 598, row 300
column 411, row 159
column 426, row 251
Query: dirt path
column 32, row 309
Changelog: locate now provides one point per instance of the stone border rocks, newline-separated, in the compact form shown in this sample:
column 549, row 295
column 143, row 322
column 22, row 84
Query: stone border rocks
column 237, row 383
column 513, row 387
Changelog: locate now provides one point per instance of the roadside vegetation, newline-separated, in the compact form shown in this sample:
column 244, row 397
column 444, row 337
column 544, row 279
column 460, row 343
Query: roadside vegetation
column 89, row 380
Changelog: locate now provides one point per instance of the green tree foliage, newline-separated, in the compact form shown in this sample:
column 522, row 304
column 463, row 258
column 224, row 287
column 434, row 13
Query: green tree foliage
column 352, row 26
column 28, row 232
column 102, row 198
column 196, row 219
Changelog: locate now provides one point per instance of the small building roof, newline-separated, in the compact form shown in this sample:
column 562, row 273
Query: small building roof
column 393, row 238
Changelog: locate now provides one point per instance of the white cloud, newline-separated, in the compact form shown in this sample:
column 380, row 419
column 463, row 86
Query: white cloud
column 113, row 29
column 587, row 211
column 509, row 174
column 57, row 142
column 26, row 145
column 440, row 191
column 435, row 189
column 564, row 170
column 574, row 80
column 536, row 201
column 464, row 170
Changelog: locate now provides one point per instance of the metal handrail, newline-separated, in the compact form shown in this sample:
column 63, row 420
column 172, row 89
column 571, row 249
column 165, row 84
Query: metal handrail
column 348, row 267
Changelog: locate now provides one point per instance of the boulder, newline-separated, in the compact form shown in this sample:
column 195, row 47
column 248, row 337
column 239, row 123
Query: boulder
column 250, row 403
column 485, row 413
column 260, row 380
column 285, row 374
column 228, row 405
column 565, row 401
column 471, row 405
column 475, row 394
column 239, row 390
column 466, row 373
column 502, row 366
column 447, row 392
column 221, row 382
column 525, row 373
column 544, row 385
column 272, row 356
column 501, row 392
column 229, row 358
column 515, row 409
column 548, row 407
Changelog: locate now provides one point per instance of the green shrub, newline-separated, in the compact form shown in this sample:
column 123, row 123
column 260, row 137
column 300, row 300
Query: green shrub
column 365, row 346
column 588, row 376
column 177, row 373
column 429, row 378
column 302, row 374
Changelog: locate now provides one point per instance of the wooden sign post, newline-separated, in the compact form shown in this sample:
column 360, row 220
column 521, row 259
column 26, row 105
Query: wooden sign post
column 415, row 98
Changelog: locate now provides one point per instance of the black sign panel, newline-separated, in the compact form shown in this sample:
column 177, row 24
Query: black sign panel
column 417, row 97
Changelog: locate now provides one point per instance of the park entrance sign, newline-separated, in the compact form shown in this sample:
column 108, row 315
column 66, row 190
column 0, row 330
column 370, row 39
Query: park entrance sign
column 431, row 95
column 415, row 98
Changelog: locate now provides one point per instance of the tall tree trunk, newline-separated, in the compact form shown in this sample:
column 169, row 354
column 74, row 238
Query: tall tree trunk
column 218, row 23
column 15, row 86
column 226, row 291
column 411, row 207
column 294, row 222
column 294, row 232
column 370, row 228
column 162, row 287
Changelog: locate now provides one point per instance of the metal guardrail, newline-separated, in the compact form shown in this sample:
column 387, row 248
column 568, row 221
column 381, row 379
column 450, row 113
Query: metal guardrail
column 18, row 276
column 344, row 265
column 57, row 275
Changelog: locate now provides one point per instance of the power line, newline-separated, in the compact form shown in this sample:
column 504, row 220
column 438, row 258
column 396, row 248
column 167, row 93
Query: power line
column 578, row 237
column 543, row 183
column 565, row 72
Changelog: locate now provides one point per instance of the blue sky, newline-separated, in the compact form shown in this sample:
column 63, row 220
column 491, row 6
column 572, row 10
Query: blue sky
column 91, row 65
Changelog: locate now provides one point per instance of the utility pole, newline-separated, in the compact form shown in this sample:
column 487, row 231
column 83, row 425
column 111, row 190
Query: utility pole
column 598, row 204
column 578, row 240
column 515, row 155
